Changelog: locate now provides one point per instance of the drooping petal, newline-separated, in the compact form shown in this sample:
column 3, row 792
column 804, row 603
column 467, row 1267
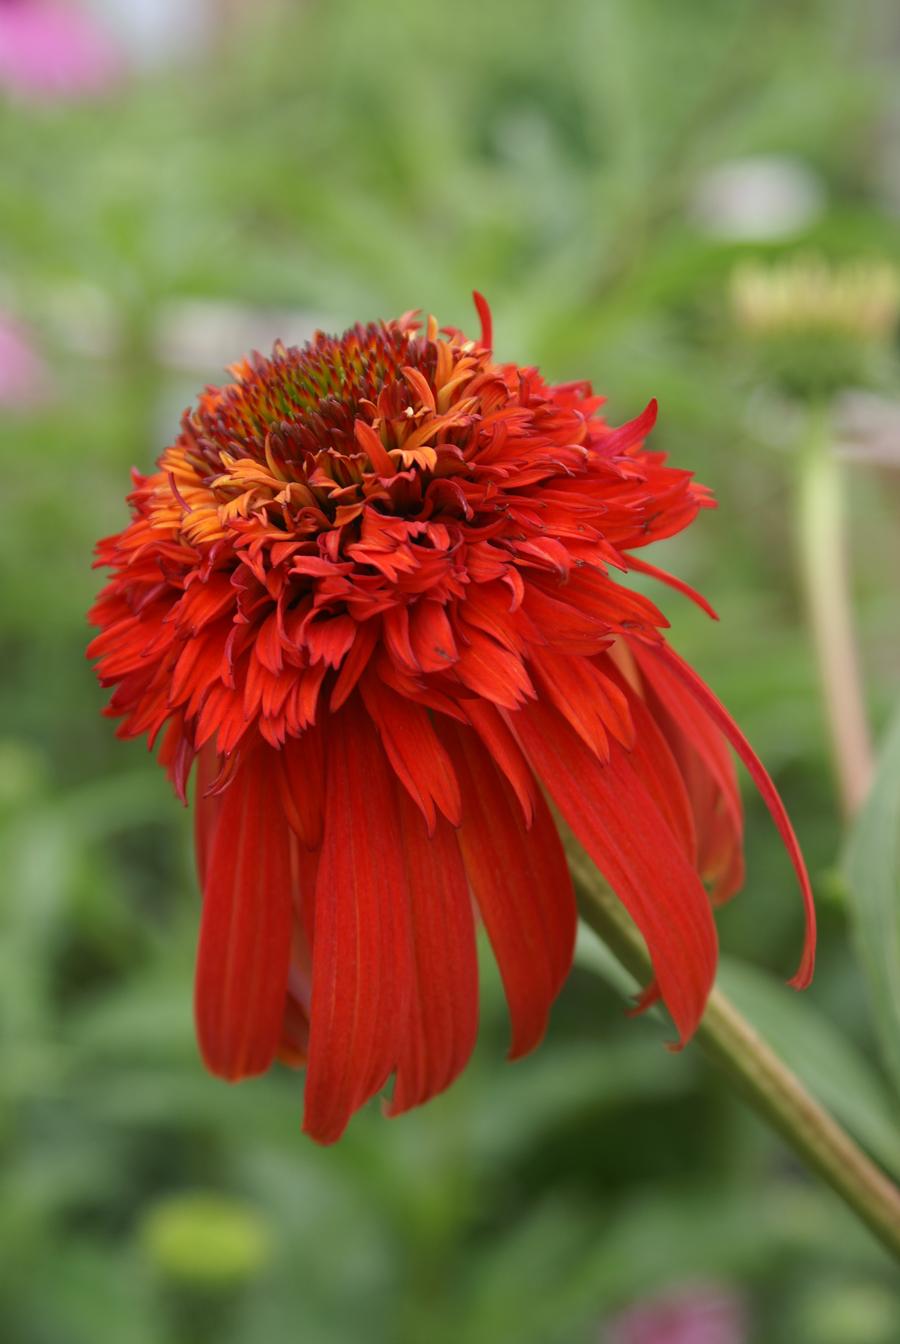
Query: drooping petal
column 641, row 566
column 206, row 808
column 431, row 635
column 418, row 758
column 521, row 882
column 362, row 956
column 492, row 671
column 652, row 758
column 618, row 822
column 668, row 694
column 706, row 768
column 355, row 663
column 593, row 703
column 666, row 657
column 443, row 1014
column 245, row 930
column 505, row 752
column 301, row 784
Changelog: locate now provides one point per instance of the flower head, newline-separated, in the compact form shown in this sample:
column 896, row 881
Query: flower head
column 370, row 591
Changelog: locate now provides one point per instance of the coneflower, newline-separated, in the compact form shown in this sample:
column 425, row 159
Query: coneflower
column 369, row 591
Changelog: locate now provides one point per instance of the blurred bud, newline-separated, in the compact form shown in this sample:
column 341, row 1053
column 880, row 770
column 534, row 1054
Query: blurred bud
column 805, row 294
column 817, row 327
column 695, row 1314
column 761, row 198
column 205, row 1241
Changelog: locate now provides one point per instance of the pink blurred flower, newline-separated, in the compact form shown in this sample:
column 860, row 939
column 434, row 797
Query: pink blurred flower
column 53, row 51
column 24, row 379
column 692, row 1314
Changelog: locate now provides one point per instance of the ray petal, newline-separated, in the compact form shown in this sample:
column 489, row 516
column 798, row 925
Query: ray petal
column 245, row 930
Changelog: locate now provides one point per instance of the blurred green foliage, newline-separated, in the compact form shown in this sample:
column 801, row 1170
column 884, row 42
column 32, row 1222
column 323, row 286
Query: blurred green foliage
column 355, row 160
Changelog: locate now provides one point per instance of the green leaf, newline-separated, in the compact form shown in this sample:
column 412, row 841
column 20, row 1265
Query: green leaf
column 873, row 877
column 829, row 1064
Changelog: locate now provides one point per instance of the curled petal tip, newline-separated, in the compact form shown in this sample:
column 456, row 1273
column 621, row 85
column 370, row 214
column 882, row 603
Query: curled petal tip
column 487, row 322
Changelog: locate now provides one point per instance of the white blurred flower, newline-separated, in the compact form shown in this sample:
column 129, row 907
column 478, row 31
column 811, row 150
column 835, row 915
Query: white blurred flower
column 157, row 33
column 761, row 198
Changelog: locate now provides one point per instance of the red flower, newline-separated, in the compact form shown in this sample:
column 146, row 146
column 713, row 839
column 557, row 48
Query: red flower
column 369, row 589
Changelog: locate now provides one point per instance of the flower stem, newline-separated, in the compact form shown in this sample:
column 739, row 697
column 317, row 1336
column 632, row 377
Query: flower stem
column 824, row 565
column 758, row 1073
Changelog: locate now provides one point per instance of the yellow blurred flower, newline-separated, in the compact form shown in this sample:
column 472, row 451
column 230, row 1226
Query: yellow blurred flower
column 205, row 1240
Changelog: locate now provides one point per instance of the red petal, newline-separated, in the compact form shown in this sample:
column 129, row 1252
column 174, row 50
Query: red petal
column 418, row 758
column 664, row 656
column 372, row 446
column 488, row 607
column 443, row 1017
column 619, row 824
column 653, row 759
column 593, row 704
column 245, row 930
column 627, row 436
column 644, row 567
column 505, row 752
column 395, row 634
column 484, row 314
column 329, row 638
column 206, row 808
column 432, row 636
column 355, row 662
column 665, row 690
column 493, row 672
column 301, row 784
column 709, row 777
column 521, row 881
column 362, row 957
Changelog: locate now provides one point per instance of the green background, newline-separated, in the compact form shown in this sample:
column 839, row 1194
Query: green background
column 351, row 160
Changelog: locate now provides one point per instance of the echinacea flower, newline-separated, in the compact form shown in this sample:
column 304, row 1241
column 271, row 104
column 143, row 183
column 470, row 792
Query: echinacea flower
column 369, row 591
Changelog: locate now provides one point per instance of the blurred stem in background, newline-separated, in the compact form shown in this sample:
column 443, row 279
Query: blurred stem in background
column 824, row 563
column 756, row 1071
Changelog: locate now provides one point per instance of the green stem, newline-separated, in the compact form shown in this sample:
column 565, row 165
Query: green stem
column 824, row 566
column 755, row 1069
